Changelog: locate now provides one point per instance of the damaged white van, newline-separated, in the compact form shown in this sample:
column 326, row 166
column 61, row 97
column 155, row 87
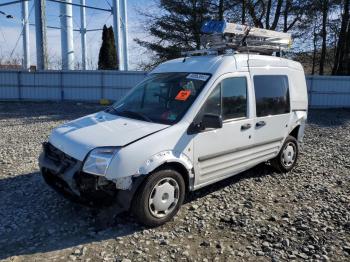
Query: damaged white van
column 192, row 122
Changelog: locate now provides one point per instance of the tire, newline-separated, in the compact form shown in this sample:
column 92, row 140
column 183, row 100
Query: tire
column 154, row 207
column 287, row 157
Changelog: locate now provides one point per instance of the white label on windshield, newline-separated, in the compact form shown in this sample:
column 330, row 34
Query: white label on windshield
column 199, row 77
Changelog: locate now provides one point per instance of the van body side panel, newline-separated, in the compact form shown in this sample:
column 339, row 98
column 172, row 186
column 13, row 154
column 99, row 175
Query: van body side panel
column 298, row 118
column 270, row 129
column 172, row 144
column 220, row 152
column 298, row 90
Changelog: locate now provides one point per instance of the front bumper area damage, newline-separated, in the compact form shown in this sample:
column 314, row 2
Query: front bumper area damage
column 64, row 174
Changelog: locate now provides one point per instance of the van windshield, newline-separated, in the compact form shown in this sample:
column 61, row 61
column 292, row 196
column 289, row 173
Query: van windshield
column 161, row 98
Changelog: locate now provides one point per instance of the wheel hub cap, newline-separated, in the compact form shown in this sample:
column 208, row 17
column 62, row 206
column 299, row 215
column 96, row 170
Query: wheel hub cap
column 288, row 156
column 164, row 197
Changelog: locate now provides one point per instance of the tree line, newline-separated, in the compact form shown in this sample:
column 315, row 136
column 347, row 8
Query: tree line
column 320, row 28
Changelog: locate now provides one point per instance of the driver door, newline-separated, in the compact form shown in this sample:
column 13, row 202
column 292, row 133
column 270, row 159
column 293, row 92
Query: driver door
column 222, row 152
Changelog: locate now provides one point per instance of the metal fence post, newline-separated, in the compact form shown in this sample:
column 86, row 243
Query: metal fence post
column 61, row 85
column 102, row 84
column 311, row 90
column 19, row 85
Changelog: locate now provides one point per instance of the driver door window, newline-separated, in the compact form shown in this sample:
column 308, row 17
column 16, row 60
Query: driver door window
column 228, row 99
column 234, row 98
column 213, row 103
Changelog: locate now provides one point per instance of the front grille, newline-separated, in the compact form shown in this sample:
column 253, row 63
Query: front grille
column 58, row 157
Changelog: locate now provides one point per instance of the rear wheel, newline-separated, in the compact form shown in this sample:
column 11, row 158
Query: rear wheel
column 287, row 157
column 159, row 197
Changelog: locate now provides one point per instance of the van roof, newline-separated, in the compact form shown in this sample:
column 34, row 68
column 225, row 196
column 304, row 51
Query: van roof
column 222, row 64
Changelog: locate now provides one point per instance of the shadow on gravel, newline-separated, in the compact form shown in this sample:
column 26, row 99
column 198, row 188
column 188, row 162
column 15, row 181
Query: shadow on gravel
column 35, row 219
column 329, row 117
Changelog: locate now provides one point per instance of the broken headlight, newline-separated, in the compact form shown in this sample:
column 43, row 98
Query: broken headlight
column 98, row 160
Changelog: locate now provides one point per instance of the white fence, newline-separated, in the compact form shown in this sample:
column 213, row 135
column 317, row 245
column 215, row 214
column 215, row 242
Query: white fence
column 67, row 85
column 328, row 91
column 324, row 91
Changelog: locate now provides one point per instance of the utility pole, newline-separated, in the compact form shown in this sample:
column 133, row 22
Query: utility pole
column 26, row 45
column 116, row 27
column 67, row 46
column 124, row 16
column 83, row 33
column 40, row 32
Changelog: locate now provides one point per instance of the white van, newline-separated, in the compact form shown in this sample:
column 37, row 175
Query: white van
column 193, row 121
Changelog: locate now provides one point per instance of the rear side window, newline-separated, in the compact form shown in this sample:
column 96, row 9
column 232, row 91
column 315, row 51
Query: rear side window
column 271, row 94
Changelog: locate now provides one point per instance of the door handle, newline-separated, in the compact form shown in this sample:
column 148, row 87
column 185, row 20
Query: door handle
column 246, row 126
column 260, row 124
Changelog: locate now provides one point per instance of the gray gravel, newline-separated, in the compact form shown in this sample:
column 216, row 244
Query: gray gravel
column 257, row 216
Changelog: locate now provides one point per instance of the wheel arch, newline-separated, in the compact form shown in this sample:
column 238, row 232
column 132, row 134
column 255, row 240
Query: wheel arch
column 181, row 169
column 295, row 132
column 170, row 159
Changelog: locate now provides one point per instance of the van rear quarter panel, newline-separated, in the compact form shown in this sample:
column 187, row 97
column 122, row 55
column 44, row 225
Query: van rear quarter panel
column 297, row 89
column 270, row 65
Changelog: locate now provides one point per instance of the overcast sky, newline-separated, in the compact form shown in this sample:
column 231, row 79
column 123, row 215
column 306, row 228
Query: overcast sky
column 10, row 30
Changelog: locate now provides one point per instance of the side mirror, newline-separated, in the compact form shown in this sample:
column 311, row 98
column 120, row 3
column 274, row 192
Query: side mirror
column 211, row 121
column 207, row 121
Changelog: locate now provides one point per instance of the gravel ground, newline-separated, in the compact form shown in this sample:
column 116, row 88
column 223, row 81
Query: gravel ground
column 256, row 216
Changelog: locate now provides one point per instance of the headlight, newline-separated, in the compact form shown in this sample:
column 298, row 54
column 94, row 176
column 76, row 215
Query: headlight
column 98, row 160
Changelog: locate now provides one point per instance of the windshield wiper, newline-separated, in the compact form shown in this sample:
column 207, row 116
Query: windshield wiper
column 111, row 110
column 134, row 114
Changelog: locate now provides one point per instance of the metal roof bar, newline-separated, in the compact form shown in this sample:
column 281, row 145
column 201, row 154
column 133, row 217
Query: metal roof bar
column 86, row 6
column 220, row 35
column 11, row 3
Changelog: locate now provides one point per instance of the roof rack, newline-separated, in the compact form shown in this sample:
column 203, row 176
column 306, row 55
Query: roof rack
column 220, row 36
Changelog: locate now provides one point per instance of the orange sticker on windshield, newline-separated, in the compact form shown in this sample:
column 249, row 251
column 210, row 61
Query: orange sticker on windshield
column 183, row 95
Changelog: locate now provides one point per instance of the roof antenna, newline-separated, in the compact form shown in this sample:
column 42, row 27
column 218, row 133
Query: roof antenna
column 248, row 58
column 245, row 43
column 244, row 39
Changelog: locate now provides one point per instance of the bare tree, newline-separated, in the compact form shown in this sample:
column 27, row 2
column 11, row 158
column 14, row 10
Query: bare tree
column 341, row 59
column 324, row 10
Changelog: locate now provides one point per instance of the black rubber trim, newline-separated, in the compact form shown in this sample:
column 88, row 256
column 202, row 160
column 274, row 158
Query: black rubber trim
column 208, row 157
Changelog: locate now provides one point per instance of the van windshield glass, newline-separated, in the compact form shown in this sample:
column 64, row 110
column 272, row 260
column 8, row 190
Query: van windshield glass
column 161, row 98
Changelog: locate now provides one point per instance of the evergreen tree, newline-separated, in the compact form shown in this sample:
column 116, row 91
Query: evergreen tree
column 176, row 29
column 107, row 59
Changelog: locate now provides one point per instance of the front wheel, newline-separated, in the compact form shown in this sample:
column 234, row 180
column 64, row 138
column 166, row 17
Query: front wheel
column 159, row 198
column 287, row 157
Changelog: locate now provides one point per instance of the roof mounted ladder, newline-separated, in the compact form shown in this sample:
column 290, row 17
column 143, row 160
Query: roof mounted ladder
column 219, row 36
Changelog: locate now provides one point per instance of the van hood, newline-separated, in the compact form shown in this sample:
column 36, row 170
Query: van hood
column 78, row 137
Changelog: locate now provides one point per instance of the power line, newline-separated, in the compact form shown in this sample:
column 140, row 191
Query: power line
column 108, row 3
column 19, row 37
column 6, row 15
column 99, row 29
column 90, row 18
column 3, row 36
column 10, row 16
